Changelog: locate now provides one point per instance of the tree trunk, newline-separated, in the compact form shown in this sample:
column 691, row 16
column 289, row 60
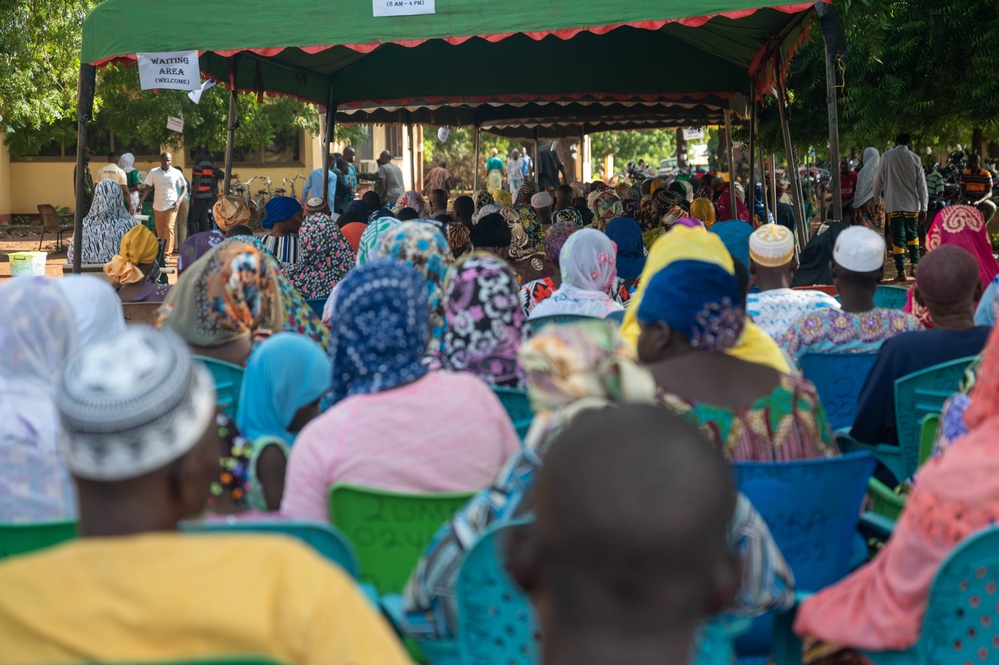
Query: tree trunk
column 681, row 149
column 721, row 155
column 564, row 151
column 978, row 141
column 993, row 149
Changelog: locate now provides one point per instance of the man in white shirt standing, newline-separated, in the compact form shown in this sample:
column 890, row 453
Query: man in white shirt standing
column 901, row 184
column 169, row 189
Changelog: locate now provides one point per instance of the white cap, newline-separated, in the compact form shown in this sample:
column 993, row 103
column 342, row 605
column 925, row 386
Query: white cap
column 443, row 133
column 771, row 245
column 859, row 249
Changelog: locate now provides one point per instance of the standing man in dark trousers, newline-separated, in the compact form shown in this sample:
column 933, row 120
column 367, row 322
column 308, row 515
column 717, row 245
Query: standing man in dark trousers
column 901, row 184
column 204, row 192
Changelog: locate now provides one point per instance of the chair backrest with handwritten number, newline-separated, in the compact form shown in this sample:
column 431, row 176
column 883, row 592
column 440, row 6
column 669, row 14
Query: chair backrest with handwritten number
column 921, row 394
column 890, row 297
column 838, row 377
column 812, row 508
column 390, row 530
column 25, row 538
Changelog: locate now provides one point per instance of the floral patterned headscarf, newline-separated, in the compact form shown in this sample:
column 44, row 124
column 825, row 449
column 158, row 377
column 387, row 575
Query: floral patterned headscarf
column 482, row 198
column 484, row 320
column 413, row 199
column 326, row 257
column 422, row 247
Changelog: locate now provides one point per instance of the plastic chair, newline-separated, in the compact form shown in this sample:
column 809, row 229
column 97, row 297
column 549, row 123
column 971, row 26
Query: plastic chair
column 928, row 436
column 317, row 305
column 390, row 530
column 52, row 223
column 25, row 538
column 161, row 262
column 323, row 538
column 890, row 297
column 616, row 317
column 959, row 625
column 228, row 383
column 811, row 508
column 540, row 322
column 518, row 407
column 838, row 377
column 229, row 659
column 828, row 289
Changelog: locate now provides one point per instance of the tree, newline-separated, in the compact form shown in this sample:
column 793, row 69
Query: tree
column 630, row 146
column 459, row 152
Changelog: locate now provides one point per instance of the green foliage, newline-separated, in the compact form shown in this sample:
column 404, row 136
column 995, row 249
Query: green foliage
column 459, row 151
column 630, row 146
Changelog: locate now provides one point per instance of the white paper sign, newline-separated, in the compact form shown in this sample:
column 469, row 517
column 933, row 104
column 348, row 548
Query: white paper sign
column 693, row 133
column 402, row 7
column 175, row 124
column 169, row 71
column 195, row 95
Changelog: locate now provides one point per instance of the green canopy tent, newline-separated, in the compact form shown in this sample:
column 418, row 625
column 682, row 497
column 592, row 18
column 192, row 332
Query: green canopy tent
column 338, row 54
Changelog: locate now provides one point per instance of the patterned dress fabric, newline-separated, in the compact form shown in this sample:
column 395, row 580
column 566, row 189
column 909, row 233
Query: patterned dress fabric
column 836, row 331
column 104, row 226
column 326, row 257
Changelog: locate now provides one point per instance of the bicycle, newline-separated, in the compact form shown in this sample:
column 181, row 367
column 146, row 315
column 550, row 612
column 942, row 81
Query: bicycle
column 242, row 190
column 290, row 181
column 257, row 209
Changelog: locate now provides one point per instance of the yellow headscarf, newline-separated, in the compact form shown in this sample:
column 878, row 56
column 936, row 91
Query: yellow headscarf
column 686, row 243
column 704, row 210
column 138, row 246
column 503, row 198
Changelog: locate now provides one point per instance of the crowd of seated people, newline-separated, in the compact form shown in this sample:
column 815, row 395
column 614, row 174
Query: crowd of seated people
column 677, row 353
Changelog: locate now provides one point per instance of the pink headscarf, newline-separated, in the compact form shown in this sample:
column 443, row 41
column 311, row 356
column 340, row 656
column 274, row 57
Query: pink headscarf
column 724, row 204
column 963, row 226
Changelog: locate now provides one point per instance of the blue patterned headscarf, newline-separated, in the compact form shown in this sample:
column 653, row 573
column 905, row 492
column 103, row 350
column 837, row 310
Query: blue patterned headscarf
column 380, row 329
column 627, row 235
column 700, row 300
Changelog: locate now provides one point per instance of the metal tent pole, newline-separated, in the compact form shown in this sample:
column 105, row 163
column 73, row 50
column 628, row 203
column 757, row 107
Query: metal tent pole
column 751, row 184
column 84, row 111
column 412, row 155
column 835, row 42
column 799, row 206
column 731, row 163
column 476, row 149
column 230, row 137
column 773, row 183
column 327, row 139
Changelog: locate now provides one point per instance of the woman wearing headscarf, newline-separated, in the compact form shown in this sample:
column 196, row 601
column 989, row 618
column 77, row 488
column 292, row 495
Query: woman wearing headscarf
column 692, row 312
column 687, row 243
column 132, row 180
column 413, row 199
column 882, row 605
column 366, row 251
column 734, row 233
column 422, row 247
column 663, row 207
column 528, row 216
column 570, row 216
column 196, row 246
column 285, row 379
column 867, row 210
column 326, row 257
column 133, row 271
column 725, row 204
column 704, row 210
column 104, row 226
column 605, row 206
column 230, row 211
column 225, row 301
column 528, row 263
column 536, row 291
column 96, row 308
column 963, row 226
column 484, row 321
column 38, row 335
column 588, row 263
column 459, row 238
column 380, row 432
column 627, row 236
column 503, row 198
column 481, row 198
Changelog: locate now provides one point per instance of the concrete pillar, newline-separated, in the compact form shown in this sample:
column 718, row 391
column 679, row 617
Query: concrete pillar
column 6, row 211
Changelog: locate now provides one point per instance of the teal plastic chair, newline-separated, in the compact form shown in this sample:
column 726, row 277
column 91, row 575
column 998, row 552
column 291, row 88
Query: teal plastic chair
column 617, row 317
column 317, row 304
column 812, row 509
column 838, row 377
column 228, row 384
column 540, row 322
column 518, row 407
column 890, row 297
column 917, row 395
column 25, row 538
column 390, row 530
column 323, row 538
column 497, row 622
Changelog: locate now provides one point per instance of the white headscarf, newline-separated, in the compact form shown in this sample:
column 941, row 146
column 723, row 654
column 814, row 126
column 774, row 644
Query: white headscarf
column 96, row 307
column 37, row 337
column 588, row 262
column 864, row 191
column 127, row 162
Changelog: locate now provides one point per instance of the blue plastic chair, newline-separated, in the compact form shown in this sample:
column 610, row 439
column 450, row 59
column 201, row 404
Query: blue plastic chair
column 838, row 377
column 540, row 322
column 497, row 622
column 812, row 509
column 616, row 317
column 228, row 384
column 325, row 539
column 317, row 304
column 890, row 297
column 518, row 407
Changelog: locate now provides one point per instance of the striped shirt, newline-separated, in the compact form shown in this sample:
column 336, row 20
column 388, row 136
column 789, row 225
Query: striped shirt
column 975, row 185
column 285, row 249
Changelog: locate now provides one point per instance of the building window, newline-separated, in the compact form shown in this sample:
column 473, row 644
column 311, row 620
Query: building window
column 286, row 148
column 393, row 140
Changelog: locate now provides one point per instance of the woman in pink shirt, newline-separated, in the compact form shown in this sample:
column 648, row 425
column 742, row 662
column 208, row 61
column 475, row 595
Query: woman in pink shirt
column 394, row 425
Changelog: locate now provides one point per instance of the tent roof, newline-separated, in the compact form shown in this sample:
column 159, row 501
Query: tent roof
column 593, row 48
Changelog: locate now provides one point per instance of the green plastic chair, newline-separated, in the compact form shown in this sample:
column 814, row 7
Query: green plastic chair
column 518, row 407
column 324, row 538
column 928, row 436
column 390, row 530
column 25, row 538
column 228, row 384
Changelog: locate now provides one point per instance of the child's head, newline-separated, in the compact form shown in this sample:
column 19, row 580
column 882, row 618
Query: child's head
column 630, row 544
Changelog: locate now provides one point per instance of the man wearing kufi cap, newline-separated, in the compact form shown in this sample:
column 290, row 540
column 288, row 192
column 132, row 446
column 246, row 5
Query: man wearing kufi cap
column 283, row 220
column 772, row 265
column 857, row 268
column 542, row 205
column 142, row 444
